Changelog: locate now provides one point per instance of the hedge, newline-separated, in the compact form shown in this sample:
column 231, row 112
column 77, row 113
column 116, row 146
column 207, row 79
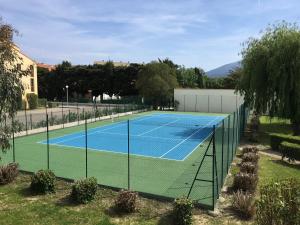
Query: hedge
column 276, row 139
column 32, row 100
column 290, row 150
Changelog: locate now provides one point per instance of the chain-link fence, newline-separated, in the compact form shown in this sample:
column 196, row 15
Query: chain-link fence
column 170, row 156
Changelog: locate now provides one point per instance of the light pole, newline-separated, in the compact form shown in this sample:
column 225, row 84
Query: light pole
column 67, row 87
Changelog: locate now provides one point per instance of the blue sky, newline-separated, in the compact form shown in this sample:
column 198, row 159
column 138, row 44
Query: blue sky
column 190, row 32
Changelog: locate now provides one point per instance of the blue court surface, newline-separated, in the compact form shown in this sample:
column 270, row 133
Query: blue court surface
column 165, row 136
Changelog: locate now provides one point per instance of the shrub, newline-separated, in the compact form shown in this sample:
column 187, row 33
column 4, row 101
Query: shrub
column 248, row 167
column 32, row 100
column 183, row 211
column 248, row 149
column 279, row 203
column 250, row 157
column 8, row 173
column 276, row 139
column 42, row 102
column 243, row 203
column 43, row 182
column 84, row 191
column 126, row 201
column 290, row 150
column 245, row 181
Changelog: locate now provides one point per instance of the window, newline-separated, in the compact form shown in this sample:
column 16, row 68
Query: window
column 31, row 70
column 32, row 85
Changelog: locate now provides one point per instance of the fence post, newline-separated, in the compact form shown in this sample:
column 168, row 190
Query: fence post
column 208, row 103
column 62, row 114
column 233, row 137
column 196, row 104
column 228, row 144
column 223, row 130
column 184, row 103
column 86, row 147
column 77, row 114
column 221, row 103
column 213, row 167
column 48, row 153
column 128, row 154
column 25, row 117
column 30, row 121
column 13, row 139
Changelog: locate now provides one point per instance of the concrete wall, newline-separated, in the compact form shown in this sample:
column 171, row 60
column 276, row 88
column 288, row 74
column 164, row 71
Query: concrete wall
column 207, row 100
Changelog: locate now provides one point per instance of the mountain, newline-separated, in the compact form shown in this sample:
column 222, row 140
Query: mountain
column 224, row 70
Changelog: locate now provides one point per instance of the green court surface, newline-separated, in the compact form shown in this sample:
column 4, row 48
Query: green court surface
column 155, row 176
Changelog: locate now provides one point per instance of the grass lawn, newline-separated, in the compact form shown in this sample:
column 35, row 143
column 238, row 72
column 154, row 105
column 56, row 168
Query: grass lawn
column 274, row 125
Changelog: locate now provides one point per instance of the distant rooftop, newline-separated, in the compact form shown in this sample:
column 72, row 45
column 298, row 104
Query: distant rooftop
column 116, row 63
column 46, row 66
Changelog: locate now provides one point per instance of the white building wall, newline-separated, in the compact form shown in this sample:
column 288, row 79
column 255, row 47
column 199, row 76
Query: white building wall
column 207, row 100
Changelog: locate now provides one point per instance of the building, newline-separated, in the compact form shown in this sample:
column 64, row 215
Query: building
column 46, row 66
column 30, row 82
column 116, row 63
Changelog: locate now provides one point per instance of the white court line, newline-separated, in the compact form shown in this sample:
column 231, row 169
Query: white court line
column 188, row 137
column 157, row 127
column 73, row 138
column 115, row 152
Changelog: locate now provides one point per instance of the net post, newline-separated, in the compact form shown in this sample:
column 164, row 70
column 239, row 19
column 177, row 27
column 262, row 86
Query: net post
column 228, row 143
column 86, row 147
column 48, row 153
column 128, row 154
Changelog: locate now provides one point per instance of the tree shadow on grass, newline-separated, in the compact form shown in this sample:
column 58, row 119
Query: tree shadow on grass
column 285, row 163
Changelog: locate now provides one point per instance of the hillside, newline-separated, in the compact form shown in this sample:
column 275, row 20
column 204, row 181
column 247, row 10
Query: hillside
column 224, row 70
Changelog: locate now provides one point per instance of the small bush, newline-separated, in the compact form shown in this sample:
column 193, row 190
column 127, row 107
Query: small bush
column 32, row 100
column 290, row 150
column 42, row 102
column 126, row 201
column 183, row 211
column 248, row 167
column 250, row 157
column 248, row 149
column 245, row 182
column 279, row 203
column 8, row 173
column 43, row 182
column 276, row 139
column 243, row 203
column 84, row 191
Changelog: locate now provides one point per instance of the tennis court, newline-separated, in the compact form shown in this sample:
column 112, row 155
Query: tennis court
column 178, row 136
column 156, row 153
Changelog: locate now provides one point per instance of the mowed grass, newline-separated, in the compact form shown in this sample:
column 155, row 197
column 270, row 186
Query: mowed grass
column 274, row 125
column 19, row 206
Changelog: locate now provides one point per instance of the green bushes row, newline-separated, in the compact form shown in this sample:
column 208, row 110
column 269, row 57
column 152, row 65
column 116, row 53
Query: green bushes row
column 276, row 139
column 279, row 203
column 290, row 150
column 245, row 182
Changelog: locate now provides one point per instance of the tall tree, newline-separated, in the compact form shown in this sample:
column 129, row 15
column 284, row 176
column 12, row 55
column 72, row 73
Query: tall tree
column 156, row 82
column 10, row 83
column 232, row 80
column 271, row 73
